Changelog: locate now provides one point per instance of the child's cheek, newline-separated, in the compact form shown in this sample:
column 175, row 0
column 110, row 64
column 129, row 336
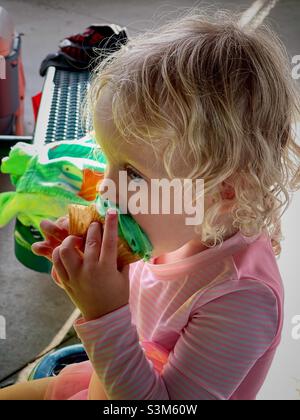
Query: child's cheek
column 152, row 225
column 148, row 223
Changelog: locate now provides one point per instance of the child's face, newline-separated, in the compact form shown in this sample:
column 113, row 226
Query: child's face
column 167, row 232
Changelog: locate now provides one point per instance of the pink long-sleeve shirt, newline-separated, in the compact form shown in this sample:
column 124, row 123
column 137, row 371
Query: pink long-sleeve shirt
column 205, row 327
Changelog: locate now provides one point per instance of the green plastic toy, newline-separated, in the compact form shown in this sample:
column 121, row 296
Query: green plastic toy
column 50, row 177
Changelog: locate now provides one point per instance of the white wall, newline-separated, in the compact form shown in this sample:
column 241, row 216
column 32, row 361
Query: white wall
column 284, row 376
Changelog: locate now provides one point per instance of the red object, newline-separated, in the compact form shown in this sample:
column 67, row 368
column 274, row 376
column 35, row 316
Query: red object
column 79, row 46
column 36, row 100
column 89, row 35
column 19, row 128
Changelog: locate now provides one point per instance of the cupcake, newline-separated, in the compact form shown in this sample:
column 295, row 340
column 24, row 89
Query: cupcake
column 133, row 243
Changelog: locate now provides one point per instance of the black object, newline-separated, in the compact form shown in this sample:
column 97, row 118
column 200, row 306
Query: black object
column 78, row 52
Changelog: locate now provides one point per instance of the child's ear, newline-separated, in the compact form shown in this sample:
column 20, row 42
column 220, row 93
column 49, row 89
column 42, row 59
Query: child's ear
column 227, row 191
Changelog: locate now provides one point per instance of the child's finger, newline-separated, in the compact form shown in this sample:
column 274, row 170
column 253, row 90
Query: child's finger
column 93, row 242
column 63, row 222
column 42, row 249
column 51, row 229
column 109, row 250
column 59, row 267
column 56, row 278
column 50, row 243
column 70, row 257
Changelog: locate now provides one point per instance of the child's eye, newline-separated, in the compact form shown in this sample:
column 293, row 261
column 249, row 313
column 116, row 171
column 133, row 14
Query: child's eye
column 133, row 174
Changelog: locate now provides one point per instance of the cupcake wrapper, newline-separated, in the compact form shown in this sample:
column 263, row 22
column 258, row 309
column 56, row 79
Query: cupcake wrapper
column 80, row 217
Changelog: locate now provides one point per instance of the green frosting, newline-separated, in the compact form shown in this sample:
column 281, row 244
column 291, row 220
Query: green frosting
column 128, row 229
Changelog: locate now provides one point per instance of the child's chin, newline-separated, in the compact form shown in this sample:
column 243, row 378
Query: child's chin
column 159, row 252
column 156, row 253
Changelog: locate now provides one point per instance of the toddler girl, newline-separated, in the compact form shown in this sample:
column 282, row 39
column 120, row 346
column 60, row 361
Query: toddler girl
column 200, row 98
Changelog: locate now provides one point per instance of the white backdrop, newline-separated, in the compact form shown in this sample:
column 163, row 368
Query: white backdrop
column 284, row 377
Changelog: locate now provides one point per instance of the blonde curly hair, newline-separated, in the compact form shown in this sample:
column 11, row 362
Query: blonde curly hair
column 223, row 96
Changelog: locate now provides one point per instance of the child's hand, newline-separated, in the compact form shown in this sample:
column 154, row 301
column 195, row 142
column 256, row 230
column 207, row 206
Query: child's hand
column 91, row 278
column 55, row 233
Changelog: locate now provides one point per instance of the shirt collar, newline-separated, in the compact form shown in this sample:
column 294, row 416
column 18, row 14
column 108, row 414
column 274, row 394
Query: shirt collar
column 230, row 246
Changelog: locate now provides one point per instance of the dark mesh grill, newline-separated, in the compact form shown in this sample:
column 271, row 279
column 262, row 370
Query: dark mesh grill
column 64, row 122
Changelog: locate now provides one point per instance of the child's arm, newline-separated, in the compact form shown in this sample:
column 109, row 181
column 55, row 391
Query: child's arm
column 29, row 390
column 96, row 389
column 222, row 342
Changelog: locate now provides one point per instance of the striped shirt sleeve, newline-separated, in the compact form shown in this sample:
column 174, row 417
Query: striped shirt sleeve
column 214, row 353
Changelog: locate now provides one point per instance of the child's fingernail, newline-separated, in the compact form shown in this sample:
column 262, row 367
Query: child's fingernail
column 112, row 213
column 94, row 225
